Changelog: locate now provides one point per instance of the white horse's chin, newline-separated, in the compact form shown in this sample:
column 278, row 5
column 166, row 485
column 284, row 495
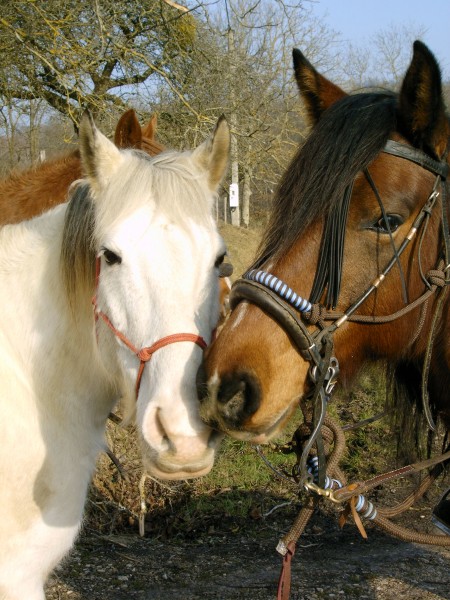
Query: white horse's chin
column 167, row 454
column 166, row 466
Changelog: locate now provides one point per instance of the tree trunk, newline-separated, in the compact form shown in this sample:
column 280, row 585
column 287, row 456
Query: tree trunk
column 235, row 211
column 246, row 196
column 34, row 132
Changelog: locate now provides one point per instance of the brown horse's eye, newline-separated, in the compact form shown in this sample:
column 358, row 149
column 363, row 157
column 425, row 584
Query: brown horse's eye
column 387, row 224
column 111, row 257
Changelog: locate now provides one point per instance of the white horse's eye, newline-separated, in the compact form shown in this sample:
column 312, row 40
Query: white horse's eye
column 111, row 257
column 219, row 260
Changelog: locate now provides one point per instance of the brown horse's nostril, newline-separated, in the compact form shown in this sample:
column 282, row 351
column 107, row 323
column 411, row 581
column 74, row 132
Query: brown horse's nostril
column 238, row 398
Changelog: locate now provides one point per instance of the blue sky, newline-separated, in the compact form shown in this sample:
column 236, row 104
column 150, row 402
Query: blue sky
column 357, row 20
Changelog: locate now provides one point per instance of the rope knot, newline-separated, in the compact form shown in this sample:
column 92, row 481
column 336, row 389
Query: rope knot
column 436, row 277
column 145, row 354
column 315, row 315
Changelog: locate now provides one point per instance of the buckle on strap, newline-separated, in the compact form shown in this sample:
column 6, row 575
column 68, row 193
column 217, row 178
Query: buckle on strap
column 331, row 376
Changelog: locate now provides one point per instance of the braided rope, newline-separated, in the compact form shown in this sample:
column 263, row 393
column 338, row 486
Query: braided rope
column 331, row 431
column 379, row 515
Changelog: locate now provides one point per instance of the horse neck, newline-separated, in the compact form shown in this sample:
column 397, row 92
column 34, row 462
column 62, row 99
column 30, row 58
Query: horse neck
column 44, row 336
column 26, row 194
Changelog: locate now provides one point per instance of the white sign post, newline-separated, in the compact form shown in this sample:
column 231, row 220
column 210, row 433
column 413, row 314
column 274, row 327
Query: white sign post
column 234, row 204
column 234, row 195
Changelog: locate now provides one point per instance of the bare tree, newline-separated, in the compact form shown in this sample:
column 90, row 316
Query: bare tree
column 382, row 61
column 244, row 67
column 74, row 54
column 188, row 60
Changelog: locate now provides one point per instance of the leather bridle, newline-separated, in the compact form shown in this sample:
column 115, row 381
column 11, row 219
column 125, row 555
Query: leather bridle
column 295, row 315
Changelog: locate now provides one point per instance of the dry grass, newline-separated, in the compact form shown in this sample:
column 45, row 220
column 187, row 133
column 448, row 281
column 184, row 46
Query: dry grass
column 241, row 245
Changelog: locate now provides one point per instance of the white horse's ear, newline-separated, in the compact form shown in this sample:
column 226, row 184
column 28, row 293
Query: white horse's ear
column 99, row 157
column 212, row 156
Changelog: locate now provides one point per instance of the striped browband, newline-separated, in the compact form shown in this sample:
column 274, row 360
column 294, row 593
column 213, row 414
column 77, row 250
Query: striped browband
column 280, row 288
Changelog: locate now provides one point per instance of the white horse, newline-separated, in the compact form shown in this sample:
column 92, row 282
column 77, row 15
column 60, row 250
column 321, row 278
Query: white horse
column 147, row 224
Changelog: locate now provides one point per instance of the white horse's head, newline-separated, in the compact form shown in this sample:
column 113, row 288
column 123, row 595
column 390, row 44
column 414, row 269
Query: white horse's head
column 158, row 254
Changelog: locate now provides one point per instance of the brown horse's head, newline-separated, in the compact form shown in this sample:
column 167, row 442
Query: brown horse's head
column 342, row 210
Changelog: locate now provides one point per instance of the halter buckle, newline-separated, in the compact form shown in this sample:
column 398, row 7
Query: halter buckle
column 325, row 493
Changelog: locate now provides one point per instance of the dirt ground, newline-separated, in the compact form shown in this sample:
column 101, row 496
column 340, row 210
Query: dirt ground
column 329, row 563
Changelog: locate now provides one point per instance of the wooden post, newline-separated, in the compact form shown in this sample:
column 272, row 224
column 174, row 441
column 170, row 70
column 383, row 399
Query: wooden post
column 235, row 210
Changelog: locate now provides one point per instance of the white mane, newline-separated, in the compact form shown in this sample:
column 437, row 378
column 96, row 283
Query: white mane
column 175, row 185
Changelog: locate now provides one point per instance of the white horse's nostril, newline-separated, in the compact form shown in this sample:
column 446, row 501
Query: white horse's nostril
column 165, row 443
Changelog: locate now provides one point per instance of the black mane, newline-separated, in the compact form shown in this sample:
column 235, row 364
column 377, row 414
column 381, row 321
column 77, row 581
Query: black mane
column 346, row 139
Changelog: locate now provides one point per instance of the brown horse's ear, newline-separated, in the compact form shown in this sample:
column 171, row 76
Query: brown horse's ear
column 128, row 132
column 421, row 110
column 317, row 91
column 149, row 130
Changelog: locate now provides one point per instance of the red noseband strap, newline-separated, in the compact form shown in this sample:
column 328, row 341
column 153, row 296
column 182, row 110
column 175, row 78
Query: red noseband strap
column 144, row 354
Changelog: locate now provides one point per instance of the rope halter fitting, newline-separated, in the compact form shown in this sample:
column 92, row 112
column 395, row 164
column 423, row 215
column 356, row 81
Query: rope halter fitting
column 144, row 354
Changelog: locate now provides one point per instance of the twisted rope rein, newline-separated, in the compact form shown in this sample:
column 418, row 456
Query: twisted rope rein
column 351, row 497
column 436, row 279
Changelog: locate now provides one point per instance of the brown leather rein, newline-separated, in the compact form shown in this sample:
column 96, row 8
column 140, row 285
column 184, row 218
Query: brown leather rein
column 143, row 354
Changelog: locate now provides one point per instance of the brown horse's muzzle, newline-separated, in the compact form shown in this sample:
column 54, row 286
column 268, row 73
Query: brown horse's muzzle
column 228, row 402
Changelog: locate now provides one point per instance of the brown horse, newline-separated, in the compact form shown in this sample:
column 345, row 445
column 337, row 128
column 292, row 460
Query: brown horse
column 25, row 194
column 360, row 227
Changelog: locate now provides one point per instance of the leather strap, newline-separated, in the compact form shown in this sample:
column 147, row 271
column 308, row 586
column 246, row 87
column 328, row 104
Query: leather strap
column 271, row 303
column 361, row 487
column 416, row 156
column 284, row 582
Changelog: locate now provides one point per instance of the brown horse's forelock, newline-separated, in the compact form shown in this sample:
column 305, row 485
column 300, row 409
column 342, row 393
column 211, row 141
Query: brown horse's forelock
column 346, row 139
column 151, row 146
column 77, row 250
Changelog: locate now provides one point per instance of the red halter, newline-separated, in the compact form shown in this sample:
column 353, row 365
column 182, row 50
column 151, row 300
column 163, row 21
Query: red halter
column 144, row 354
